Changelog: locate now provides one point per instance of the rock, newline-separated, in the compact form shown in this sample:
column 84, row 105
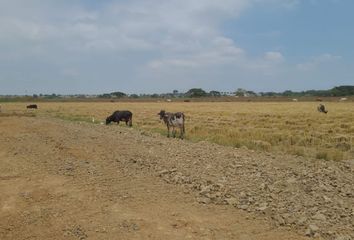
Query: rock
column 204, row 190
column 231, row 201
column 263, row 186
column 262, row 207
column 291, row 180
column 279, row 220
column 242, row 195
column 327, row 199
column 311, row 230
column 204, row 200
column 243, row 207
column 302, row 221
column 163, row 172
column 319, row 216
column 317, row 235
column 343, row 237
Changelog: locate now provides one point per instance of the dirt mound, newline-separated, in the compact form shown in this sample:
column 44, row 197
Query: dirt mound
column 64, row 180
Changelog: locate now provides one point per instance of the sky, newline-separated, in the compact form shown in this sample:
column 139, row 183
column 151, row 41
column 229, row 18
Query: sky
column 155, row 46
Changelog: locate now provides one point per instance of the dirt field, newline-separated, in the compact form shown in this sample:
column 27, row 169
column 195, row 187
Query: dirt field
column 71, row 180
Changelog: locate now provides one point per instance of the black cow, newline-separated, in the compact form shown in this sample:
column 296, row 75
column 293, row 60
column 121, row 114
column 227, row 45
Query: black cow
column 173, row 120
column 33, row 106
column 322, row 108
column 118, row 116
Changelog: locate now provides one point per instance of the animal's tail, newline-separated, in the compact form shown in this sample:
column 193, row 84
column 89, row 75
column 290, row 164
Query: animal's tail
column 183, row 124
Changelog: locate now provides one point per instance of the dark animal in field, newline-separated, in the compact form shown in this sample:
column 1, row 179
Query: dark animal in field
column 322, row 108
column 33, row 106
column 118, row 116
column 173, row 120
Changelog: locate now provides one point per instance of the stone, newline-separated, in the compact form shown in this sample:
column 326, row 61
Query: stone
column 243, row 207
column 279, row 220
column 204, row 200
column 327, row 199
column 231, row 201
column 343, row 237
column 302, row 221
column 311, row 230
column 262, row 207
column 319, row 216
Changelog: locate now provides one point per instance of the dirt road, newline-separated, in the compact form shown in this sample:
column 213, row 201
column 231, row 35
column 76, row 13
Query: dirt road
column 66, row 180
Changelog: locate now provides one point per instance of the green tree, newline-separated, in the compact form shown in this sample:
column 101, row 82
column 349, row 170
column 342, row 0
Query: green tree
column 196, row 92
column 118, row 94
column 134, row 96
column 215, row 93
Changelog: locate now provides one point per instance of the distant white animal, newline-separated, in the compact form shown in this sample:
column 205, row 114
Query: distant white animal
column 343, row 99
column 168, row 100
column 295, row 100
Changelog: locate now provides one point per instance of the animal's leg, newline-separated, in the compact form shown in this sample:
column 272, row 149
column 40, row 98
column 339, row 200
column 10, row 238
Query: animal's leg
column 168, row 131
column 173, row 132
column 130, row 122
column 182, row 132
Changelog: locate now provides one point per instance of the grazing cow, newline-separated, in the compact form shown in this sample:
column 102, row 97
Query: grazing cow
column 118, row 116
column 322, row 108
column 173, row 120
column 33, row 106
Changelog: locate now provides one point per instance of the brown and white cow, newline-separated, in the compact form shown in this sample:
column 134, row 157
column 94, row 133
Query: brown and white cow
column 173, row 120
column 322, row 108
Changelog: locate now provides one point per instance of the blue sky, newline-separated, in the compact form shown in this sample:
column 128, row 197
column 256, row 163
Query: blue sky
column 148, row 46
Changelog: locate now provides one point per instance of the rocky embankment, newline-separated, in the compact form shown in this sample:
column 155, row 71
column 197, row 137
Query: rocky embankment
column 311, row 196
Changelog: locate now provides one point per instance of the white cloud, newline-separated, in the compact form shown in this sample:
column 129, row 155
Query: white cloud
column 274, row 56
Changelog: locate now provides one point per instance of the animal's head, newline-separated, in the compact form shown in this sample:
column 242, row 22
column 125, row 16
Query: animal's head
column 162, row 114
column 108, row 120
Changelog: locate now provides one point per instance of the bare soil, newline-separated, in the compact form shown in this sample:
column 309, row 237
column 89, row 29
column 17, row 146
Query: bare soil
column 69, row 180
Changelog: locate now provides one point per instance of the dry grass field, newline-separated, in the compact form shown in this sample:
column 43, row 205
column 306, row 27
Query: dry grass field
column 296, row 127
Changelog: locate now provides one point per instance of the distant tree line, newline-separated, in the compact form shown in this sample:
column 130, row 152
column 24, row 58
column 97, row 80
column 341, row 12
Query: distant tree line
column 191, row 93
column 339, row 91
